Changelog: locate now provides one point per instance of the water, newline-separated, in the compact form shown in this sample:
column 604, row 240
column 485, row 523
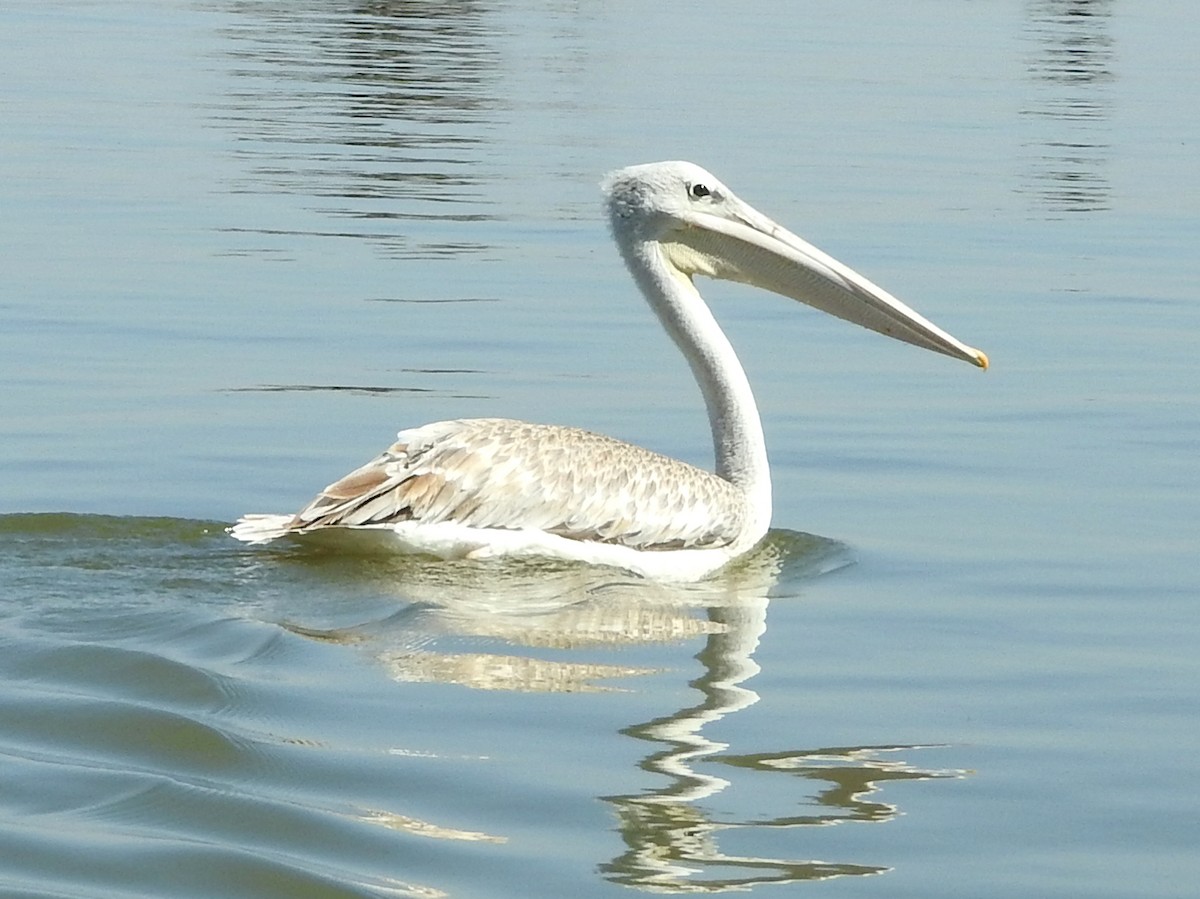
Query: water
column 245, row 242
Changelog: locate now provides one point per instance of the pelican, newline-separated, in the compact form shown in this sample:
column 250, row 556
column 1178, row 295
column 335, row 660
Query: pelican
column 493, row 487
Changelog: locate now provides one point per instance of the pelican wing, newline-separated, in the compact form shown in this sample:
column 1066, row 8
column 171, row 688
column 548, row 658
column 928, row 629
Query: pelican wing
column 498, row 473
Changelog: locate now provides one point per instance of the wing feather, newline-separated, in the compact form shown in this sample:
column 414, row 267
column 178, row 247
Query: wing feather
column 499, row 473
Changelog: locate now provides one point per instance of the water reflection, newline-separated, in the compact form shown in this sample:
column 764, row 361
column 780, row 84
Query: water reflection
column 369, row 389
column 376, row 110
column 672, row 832
column 674, row 842
column 674, row 846
column 1070, row 67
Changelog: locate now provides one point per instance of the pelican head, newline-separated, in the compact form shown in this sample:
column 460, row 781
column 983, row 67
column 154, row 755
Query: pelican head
column 702, row 228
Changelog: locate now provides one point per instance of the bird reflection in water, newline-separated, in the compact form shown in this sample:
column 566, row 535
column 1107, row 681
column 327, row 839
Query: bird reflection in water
column 672, row 835
column 673, row 841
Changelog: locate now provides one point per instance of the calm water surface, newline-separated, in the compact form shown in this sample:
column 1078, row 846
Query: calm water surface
column 244, row 242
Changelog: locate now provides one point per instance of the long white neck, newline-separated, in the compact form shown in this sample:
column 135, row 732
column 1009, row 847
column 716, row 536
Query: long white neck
column 741, row 451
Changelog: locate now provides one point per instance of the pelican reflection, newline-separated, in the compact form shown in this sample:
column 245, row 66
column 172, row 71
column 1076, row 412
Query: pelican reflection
column 673, row 829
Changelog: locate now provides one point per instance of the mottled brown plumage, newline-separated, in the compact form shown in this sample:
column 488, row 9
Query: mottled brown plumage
column 500, row 473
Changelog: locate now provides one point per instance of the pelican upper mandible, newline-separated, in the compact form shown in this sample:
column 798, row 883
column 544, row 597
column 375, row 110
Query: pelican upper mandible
column 491, row 487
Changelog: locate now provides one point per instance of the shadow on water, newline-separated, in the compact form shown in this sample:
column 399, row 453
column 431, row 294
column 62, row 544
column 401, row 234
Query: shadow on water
column 1071, row 63
column 672, row 836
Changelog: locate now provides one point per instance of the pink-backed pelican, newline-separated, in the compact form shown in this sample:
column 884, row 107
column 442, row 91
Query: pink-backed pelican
column 493, row 487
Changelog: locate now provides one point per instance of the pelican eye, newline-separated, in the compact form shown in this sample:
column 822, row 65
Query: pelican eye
column 698, row 191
